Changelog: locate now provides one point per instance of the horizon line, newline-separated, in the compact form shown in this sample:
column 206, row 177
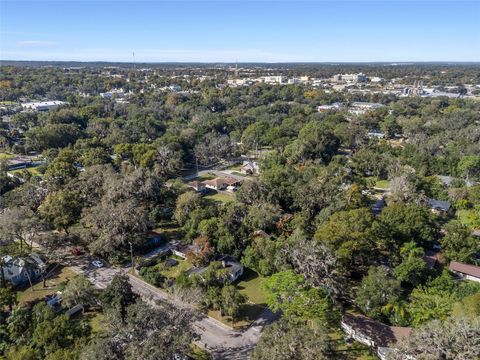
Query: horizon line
column 252, row 62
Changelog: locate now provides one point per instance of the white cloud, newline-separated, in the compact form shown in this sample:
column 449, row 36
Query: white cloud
column 36, row 43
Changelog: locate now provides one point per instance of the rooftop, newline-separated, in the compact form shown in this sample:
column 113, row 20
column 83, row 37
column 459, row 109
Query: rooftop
column 466, row 269
column 382, row 335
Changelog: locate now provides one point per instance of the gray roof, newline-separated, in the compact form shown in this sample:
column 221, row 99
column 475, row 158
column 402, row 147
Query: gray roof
column 439, row 204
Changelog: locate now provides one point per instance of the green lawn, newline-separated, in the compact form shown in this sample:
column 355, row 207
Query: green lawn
column 174, row 271
column 57, row 278
column 5, row 156
column 204, row 177
column 382, row 184
column 248, row 314
column 32, row 170
column 219, row 197
column 235, row 167
column 250, row 286
column 169, row 231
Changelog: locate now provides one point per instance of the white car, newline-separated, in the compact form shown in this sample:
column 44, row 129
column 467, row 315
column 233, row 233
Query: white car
column 97, row 263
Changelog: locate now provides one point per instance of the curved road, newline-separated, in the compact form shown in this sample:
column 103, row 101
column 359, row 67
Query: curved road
column 218, row 339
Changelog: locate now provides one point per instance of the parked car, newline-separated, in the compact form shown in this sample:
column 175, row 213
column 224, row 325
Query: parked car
column 98, row 263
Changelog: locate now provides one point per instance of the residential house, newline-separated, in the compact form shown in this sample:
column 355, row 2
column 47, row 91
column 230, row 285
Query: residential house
column 439, row 207
column 229, row 263
column 198, row 186
column 465, row 271
column 21, row 270
column 372, row 333
column 216, row 184
column 234, row 267
column 250, row 168
column 179, row 249
column 221, row 183
column 331, row 107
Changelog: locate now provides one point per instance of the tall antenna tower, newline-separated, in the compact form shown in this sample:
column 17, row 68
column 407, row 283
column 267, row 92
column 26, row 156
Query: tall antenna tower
column 236, row 69
column 134, row 66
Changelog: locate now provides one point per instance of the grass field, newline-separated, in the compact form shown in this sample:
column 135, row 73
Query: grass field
column 219, row 197
column 59, row 277
column 250, row 286
column 382, row 184
column 169, row 231
column 5, row 156
column 173, row 271
column 248, row 314
column 205, row 177
column 32, row 170
column 256, row 303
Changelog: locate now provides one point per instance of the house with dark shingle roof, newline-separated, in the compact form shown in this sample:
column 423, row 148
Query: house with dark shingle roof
column 439, row 207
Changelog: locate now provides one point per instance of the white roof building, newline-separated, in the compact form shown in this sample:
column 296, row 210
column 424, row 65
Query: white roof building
column 42, row 105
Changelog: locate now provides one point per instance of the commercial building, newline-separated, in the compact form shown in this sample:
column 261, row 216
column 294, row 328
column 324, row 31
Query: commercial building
column 42, row 105
column 349, row 77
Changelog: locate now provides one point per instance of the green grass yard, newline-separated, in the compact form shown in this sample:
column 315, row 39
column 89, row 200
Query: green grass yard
column 220, row 197
column 5, row 156
column 174, row 271
column 204, row 177
column 54, row 282
column 382, row 184
column 169, row 231
column 250, row 286
column 32, row 170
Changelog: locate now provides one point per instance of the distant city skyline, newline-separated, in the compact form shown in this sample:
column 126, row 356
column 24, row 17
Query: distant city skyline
column 247, row 31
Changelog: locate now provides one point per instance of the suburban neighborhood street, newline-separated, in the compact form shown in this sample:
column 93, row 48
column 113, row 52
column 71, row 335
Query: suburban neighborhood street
column 218, row 339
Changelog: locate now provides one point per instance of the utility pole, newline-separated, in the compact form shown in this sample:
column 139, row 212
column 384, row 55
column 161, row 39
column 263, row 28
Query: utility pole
column 131, row 256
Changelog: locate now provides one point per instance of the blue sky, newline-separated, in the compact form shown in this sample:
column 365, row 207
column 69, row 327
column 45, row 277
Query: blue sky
column 226, row 31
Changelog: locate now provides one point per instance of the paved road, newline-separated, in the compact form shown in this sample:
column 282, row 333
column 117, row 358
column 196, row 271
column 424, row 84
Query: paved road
column 221, row 341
